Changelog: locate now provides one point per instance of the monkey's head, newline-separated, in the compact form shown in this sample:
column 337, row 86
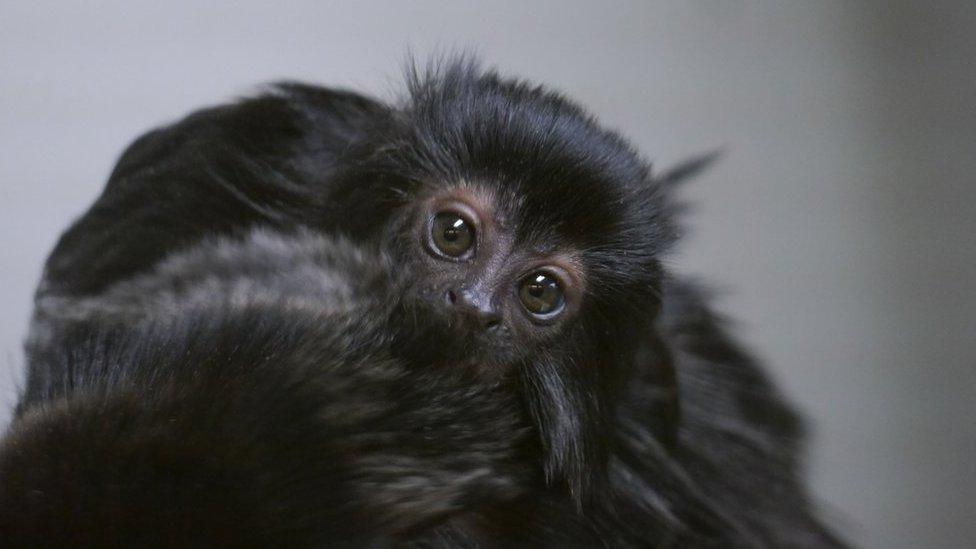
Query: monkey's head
column 528, row 240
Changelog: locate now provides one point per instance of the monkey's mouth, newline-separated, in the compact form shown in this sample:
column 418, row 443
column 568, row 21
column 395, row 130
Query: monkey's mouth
column 463, row 347
column 432, row 337
column 456, row 351
column 477, row 364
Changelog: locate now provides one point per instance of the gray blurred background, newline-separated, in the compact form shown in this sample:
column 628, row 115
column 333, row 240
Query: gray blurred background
column 839, row 226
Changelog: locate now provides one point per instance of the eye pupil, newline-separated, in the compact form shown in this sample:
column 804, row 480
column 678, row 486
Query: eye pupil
column 453, row 232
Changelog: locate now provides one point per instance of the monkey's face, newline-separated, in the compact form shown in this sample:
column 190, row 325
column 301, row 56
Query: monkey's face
column 525, row 238
column 521, row 230
column 488, row 297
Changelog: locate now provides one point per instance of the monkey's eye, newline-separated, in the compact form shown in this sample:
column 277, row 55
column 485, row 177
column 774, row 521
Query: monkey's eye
column 451, row 234
column 541, row 294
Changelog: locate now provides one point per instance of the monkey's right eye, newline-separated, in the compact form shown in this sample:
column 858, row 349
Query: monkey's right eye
column 451, row 234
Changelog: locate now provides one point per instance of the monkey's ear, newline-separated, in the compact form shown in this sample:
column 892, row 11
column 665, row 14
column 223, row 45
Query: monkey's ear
column 688, row 168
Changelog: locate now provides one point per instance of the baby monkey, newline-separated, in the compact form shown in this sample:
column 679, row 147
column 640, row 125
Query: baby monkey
column 527, row 244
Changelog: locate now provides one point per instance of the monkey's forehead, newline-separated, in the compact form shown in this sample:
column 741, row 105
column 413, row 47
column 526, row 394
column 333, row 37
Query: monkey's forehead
column 550, row 168
column 465, row 123
column 463, row 117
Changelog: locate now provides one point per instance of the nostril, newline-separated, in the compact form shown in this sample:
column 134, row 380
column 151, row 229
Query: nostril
column 451, row 297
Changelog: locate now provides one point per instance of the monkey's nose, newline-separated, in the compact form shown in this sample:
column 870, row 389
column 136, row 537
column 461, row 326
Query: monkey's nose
column 475, row 308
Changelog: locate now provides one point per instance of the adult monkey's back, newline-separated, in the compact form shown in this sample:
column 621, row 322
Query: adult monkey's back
column 224, row 401
column 337, row 162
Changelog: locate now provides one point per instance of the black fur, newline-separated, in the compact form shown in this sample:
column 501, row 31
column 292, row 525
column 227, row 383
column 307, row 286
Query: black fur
column 626, row 466
column 232, row 402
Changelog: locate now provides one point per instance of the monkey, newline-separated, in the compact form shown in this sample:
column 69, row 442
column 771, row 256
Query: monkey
column 535, row 238
column 224, row 401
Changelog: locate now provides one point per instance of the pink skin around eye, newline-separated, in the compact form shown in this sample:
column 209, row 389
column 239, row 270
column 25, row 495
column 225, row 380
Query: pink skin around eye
column 476, row 204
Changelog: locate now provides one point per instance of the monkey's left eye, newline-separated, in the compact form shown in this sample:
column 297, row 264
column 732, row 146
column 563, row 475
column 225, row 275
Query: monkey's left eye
column 451, row 234
column 541, row 294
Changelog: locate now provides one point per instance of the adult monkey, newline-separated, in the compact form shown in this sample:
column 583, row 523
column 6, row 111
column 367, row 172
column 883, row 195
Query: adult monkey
column 225, row 402
column 525, row 224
